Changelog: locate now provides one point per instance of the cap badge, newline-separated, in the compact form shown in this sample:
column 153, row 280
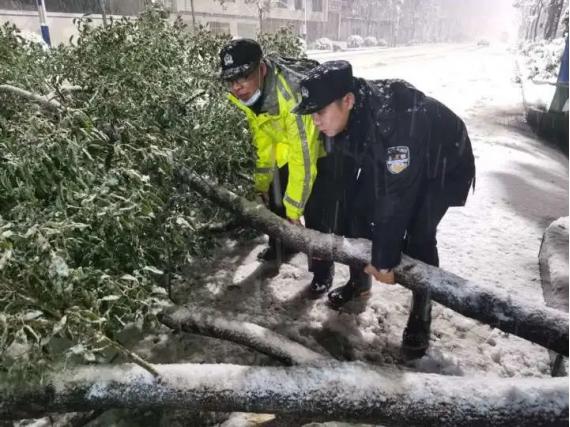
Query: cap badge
column 228, row 60
column 304, row 92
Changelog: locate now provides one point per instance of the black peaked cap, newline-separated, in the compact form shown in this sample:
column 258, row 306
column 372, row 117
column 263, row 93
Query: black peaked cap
column 324, row 84
column 239, row 57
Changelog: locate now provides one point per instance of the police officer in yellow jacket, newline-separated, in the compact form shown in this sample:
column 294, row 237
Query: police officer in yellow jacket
column 287, row 145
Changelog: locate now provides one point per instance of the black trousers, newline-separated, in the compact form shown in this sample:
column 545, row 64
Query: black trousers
column 276, row 193
column 420, row 242
column 322, row 213
column 327, row 212
column 335, row 207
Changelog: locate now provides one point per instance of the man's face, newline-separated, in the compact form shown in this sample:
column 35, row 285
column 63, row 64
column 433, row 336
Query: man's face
column 244, row 87
column 332, row 119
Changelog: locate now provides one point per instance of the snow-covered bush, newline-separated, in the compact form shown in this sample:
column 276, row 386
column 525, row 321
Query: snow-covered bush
column 323, row 44
column 382, row 43
column 283, row 41
column 355, row 41
column 541, row 60
column 370, row 41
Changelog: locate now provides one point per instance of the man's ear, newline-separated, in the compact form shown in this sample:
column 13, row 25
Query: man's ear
column 263, row 69
column 349, row 100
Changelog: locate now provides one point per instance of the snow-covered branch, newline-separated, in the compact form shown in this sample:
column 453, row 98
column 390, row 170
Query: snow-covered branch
column 210, row 323
column 526, row 319
column 44, row 101
column 326, row 390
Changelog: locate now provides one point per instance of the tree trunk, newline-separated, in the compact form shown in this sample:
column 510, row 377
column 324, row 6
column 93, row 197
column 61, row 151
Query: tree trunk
column 324, row 391
column 539, row 8
column 207, row 322
column 536, row 323
column 554, row 12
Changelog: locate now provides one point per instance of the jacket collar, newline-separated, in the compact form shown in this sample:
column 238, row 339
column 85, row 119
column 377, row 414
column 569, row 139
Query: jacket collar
column 269, row 100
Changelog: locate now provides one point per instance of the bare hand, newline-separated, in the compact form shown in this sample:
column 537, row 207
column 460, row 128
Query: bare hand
column 264, row 198
column 295, row 221
column 384, row 276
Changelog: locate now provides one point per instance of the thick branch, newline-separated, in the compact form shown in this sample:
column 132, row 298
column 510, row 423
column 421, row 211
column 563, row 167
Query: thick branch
column 72, row 419
column 536, row 323
column 330, row 390
column 51, row 104
column 209, row 323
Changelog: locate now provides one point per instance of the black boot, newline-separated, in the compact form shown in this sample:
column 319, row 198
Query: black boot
column 268, row 254
column 322, row 278
column 276, row 251
column 358, row 287
column 415, row 340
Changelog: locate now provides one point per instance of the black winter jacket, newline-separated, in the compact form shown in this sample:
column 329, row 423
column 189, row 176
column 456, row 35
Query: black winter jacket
column 400, row 145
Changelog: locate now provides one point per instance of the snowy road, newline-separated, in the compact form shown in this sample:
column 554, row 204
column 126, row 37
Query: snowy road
column 522, row 185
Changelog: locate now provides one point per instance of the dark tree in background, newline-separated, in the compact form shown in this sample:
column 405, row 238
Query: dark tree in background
column 542, row 19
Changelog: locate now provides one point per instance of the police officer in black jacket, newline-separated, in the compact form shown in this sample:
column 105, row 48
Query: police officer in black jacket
column 397, row 160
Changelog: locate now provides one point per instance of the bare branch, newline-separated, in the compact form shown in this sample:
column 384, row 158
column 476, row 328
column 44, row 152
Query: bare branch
column 210, row 323
column 42, row 100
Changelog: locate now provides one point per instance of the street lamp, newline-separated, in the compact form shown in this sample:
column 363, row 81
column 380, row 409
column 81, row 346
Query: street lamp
column 43, row 22
column 305, row 24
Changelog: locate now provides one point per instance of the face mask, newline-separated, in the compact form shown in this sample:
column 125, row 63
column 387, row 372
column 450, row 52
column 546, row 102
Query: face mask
column 253, row 99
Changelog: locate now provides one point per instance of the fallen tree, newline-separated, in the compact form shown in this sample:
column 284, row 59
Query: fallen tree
column 325, row 390
column 536, row 323
column 261, row 339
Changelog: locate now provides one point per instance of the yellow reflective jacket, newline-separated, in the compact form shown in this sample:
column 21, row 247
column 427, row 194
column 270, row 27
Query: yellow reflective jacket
column 281, row 137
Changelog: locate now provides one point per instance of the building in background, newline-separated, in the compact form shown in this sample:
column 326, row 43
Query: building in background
column 60, row 14
column 242, row 17
column 398, row 22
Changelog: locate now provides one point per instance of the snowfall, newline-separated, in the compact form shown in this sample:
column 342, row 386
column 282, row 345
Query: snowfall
column 522, row 186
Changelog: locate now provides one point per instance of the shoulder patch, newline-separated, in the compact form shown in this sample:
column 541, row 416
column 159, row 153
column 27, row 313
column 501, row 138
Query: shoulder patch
column 397, row 159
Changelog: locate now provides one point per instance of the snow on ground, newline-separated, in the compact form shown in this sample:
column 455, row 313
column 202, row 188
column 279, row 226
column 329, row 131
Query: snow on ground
column 522, row 186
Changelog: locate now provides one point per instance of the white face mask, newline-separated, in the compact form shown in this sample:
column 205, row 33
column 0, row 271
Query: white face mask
column 253, row 99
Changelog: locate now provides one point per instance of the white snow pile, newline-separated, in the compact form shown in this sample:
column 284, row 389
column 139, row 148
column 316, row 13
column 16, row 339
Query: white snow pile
column 540, row 60
column 554, row 264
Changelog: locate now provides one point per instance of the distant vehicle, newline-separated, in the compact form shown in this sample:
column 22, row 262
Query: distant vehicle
column 370, row 41
column 323, row 44
column 483, row 43
column 354, row 41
